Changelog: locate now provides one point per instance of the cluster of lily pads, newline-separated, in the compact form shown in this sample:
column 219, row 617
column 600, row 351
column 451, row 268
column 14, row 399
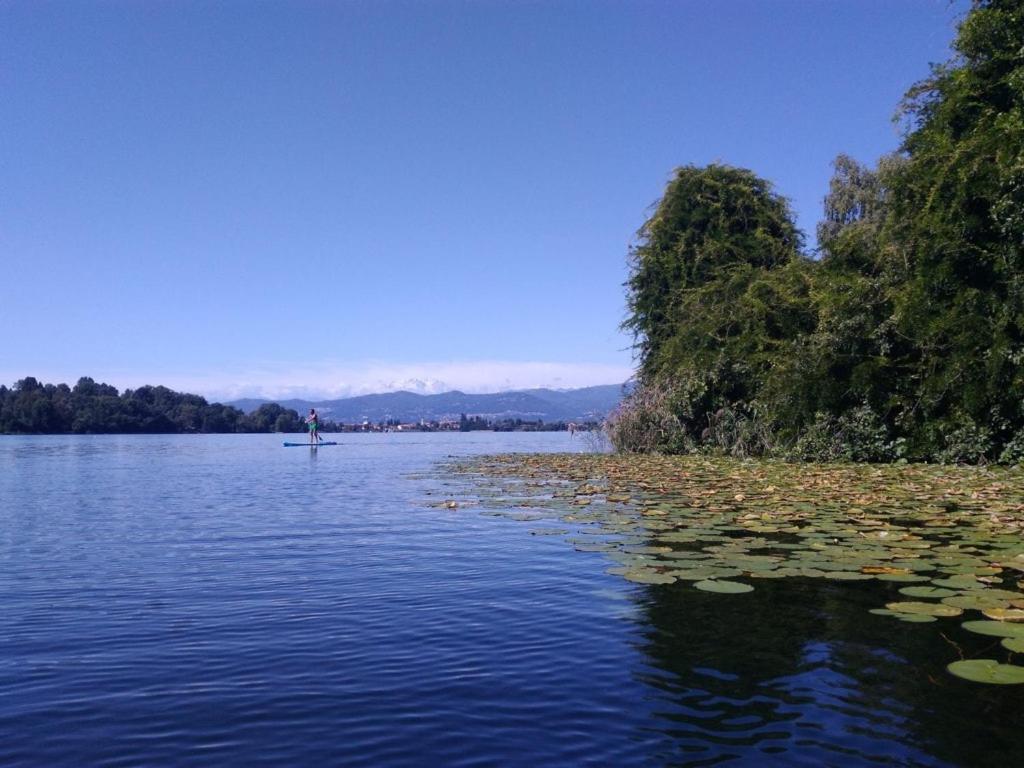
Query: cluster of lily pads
column 954, row 536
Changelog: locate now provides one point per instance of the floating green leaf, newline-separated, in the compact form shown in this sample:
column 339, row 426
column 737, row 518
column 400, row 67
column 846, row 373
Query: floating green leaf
column 648, row 576
column 724, row 587
column 1004, row 614
column 961, row 581
column 1015, row 644
column 987, row 671
column 902, row 577
column 848, row 576
column 976, row 601
column 926, row 592
column 995, row 628
column 925, row 609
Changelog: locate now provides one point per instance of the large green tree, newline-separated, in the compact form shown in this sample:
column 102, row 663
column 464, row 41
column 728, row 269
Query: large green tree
column 710, row 220
column 717, row 290
column 956, row 228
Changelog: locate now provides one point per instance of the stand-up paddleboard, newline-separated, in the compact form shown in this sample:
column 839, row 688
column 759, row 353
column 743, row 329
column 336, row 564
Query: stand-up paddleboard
column 308, row 445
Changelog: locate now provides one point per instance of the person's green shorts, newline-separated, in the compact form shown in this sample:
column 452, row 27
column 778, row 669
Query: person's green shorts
column 312, row 426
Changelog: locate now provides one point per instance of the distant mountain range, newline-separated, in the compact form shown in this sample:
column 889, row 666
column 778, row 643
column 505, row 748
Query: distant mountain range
column 586, row 404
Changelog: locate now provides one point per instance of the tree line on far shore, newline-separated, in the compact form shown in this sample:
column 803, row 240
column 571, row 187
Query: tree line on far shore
column 33, row 408
column 902, row 339
column 90, row 408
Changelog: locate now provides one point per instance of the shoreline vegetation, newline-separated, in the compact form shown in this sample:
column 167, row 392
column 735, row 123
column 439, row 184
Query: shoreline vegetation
column 33, row 408
column 901, row 337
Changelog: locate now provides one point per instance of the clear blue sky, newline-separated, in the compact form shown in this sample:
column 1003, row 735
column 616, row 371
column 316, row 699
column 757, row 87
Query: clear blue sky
column 325, row 197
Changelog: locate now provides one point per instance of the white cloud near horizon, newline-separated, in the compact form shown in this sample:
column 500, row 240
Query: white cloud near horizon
column 328, row 380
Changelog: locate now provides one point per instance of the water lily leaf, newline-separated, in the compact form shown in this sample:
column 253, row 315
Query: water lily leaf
column 990, row 570
column 885, row 570
column 987, row 671
column 925, row 609
column 646, row 550
column 811, row 573
column 974, row 601
column 724, row 587
column 995, row 628
column 648, row 576
column 926, row 592
column 522, row 517
column 697, row 574
column 1004, row 614
column 848, row 576
column 915, row 618
column 1015, row 644
column 1001, row 594
column 960, row 581
column 593, row 546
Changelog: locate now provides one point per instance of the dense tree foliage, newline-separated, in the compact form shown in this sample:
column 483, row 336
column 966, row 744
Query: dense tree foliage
column 711, row 222
column 904, row 339
column 90, row 408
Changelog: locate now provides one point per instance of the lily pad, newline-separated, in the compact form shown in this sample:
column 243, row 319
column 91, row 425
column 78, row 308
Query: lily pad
column 1015, row 644
column 902, row 577
column 648, row 576
column 995, row 628
column 926, row 592
column 976, row 601
column 696, row 574
column 1002, row 594
column 960, row 581
column 848, row 576
column 1004, row 614
column 987, row 671
column 597, row 546
column 925, row 609
column 724, row 587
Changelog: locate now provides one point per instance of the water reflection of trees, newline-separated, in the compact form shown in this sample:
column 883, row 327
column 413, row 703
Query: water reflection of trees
column 800, row 671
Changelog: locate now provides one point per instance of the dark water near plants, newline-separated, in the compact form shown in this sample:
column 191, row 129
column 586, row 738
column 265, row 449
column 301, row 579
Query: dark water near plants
column 224, row 601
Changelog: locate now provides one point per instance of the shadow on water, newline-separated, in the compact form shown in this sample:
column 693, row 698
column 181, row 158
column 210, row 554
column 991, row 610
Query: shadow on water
column 798, row 672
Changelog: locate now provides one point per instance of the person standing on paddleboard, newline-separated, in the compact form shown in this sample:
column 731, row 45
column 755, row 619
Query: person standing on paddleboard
column 313, row 422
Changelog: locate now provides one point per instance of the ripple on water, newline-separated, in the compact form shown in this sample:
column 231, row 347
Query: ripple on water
column 198, row 601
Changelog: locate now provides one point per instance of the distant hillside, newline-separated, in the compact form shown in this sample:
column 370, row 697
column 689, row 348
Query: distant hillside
column 586, row 404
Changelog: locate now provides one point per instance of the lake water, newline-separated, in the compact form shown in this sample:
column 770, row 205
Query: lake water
column 221, row 600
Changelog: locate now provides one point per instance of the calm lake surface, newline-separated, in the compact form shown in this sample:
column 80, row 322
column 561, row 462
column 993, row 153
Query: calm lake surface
column 221, row 600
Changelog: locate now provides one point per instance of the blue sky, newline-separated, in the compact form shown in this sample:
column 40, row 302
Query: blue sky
column 324, row 198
